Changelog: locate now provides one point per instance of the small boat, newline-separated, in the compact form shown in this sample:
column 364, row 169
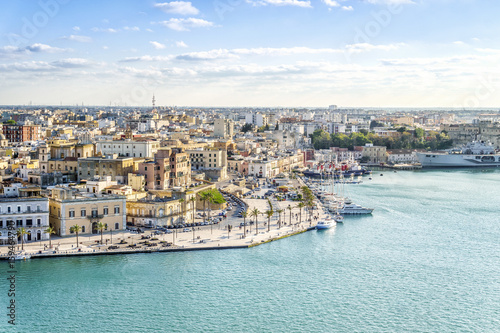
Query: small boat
column 325, row 224
column 381, row 174
column 338, row 218
column 21, row 256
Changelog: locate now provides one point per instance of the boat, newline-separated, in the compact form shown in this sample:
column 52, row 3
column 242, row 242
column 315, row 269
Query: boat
column 338, row 218
column 21, row 256
column 349, row 208
column 325, row 224
column 472, row 154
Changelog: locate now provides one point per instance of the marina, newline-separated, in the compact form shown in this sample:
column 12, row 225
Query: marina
column 380, row 270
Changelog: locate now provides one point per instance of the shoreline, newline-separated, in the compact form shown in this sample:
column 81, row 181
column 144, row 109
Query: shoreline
column 73, row 253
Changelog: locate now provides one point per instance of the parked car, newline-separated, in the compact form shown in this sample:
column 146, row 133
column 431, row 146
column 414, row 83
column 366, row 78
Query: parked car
column 186, row 230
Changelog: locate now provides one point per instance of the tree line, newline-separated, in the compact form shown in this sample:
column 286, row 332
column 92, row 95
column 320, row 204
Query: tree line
column 406, row 139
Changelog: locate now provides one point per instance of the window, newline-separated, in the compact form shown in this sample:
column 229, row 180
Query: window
column 18, row 209
column 145, row 168
column 71, row 213
column 9, row 209
column 38, row 222
column 117, row 226
column 19, row 223
column 105, row 211
column 29, row 222
column 117, row 209
column 83, row 228
column 94, row 212
column 28, row 209
column 83, row 212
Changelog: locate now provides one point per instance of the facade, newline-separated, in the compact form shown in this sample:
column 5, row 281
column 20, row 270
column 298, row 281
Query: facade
column 31, row 213
column 396, row 156
column 375, row 154
column 170, row 167
column 212, row 161
column 69, row 208
column 21, row 133
column 128, row 148
column 158, row 212
column 111, row 165
column 223, row 128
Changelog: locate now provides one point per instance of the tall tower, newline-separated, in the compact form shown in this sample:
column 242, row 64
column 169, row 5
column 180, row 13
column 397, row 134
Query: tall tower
column 154, row 101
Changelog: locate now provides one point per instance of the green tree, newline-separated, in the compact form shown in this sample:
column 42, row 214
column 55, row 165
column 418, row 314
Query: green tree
column 244, row 214
column 269, row 214
column 11, row 122
column 51, row 231
column 300, row 206
column 20, row 233
column 255, row 213
column 76, row 229
column 247, row 128
column 279, row 211
column 101, row 227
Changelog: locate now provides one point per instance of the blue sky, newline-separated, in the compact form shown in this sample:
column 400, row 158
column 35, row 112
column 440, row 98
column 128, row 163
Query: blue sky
column 411, row 53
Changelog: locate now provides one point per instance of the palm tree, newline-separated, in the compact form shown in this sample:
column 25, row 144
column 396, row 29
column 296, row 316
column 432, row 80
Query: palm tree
column 279, row 211
column 76, row 229
column 244, row 214
column 310, row 205
column 256, row 212
column 193, row 202
column 269, row 214
column 101, row 227
column 21, row 232
column 51, row 231
column 300, row 206
column 290, row 213
column 205, row 197
column 181, row 201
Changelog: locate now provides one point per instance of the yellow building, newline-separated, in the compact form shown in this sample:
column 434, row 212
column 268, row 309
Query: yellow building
column 68, row 208
column 111, row 165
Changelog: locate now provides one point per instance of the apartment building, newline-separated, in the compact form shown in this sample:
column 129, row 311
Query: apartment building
column 68, row 208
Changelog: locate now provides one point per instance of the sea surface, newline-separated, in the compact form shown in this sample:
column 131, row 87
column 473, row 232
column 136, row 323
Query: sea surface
column 427, row 260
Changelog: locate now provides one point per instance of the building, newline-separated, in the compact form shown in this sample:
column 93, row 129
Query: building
column 223, row 128
column 157, row 212
column 21, row 133
column 375, row 154
column 69, row 208
column 110, row 165
column 170, row 167
column 212, row 161
column 26, row 210
column 128, row 148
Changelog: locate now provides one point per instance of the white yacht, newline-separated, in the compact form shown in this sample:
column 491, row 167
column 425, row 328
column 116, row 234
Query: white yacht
column 349, row 208
column 325, row 224
column 473, row 154
column 338, row 218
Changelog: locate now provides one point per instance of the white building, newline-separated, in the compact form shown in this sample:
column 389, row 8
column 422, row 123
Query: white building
column 31, row 213
column 128, row 148
column 223, row 128
column 212, row 161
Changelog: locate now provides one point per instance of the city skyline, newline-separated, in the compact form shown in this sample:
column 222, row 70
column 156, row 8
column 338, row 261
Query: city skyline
column 393, row 53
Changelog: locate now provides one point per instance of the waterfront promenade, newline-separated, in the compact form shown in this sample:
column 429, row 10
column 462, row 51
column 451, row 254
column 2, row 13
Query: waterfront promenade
column 203, row 237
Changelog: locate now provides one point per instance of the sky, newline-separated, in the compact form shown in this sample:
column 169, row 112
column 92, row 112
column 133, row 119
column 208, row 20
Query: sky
column 289, row 53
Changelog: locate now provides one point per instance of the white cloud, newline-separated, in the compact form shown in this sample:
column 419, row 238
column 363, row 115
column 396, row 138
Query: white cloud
column 72, row 63
column 180, row 43
column 147, row 58
column 131, row 28
column 207, row 55
column 331, row 3
column 110, row 30
column 75, row 28
column 43, row 48
column 390, row 2
column 177, row 7
column 459, row 42
column 158, row 46
column 180, row 24
column 348, row 8
column 78, row 38
column 297, row 3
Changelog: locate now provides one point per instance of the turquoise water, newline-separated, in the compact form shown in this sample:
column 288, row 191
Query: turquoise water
column 427, row 260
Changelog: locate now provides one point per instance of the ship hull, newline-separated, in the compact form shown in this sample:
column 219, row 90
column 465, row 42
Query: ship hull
column 443, row 160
